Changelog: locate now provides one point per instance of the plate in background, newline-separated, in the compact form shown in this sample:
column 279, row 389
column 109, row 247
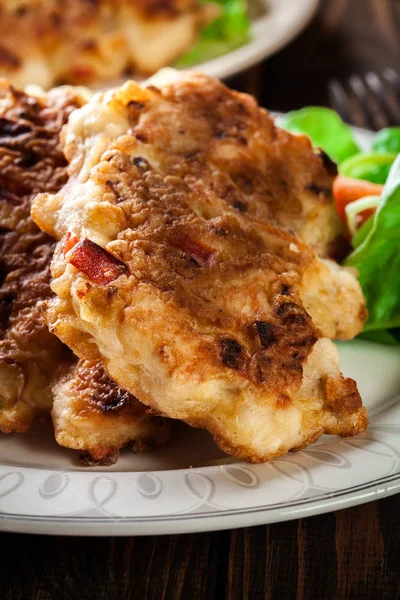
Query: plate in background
column 283, row 21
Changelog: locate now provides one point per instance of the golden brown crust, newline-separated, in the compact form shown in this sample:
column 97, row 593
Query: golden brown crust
column 30, row 161
column 91, row 413
column 185, row 188
column 96, row 394
column 94, row 415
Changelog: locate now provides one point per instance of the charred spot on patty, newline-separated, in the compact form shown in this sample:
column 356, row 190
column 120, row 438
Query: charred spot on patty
column 304, row 342
column 28, row 159
column 292, row 314
column 232, row 353
column 109, row 458
column 240, row 206
column 134, row 107
column 101, row 391
column 6, row 302
column 266, row 333
column 141, row 163
column 220, row 231
column 111, row 398
column 12, row 128
column 328, row 163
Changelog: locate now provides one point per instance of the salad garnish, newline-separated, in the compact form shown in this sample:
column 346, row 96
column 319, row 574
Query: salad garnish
column 229, row 31
column 326, row 130
column 367, row 195
column 377, row 258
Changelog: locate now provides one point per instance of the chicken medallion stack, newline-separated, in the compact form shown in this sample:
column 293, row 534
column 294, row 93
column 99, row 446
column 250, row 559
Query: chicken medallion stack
column 194, row 261
column 90, row 412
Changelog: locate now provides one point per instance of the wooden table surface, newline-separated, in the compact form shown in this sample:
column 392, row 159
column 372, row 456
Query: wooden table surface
column 354, row 553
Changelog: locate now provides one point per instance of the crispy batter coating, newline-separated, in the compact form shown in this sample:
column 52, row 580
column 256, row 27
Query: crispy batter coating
column 95, row 416
column 81, row 42
column 203, row 308
column 91, row 413
column 31, row 160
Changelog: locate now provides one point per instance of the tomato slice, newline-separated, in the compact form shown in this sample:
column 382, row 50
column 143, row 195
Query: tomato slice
column 347, row 190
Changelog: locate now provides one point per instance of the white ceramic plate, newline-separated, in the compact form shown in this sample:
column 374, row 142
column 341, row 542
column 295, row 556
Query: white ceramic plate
column 283, row 21
column 192, row 486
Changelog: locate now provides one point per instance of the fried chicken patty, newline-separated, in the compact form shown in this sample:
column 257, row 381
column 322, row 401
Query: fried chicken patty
column 30, row 161
column 91, row 413
column 172, row 263
column 80, row 42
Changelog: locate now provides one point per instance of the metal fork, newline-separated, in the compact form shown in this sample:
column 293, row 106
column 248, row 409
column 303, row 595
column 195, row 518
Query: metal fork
column 370, row 100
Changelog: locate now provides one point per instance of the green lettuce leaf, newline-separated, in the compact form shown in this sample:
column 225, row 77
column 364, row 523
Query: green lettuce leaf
column 372, row 166
column 325, row 129
column 362, row 233
column 377, row 258
column 229, row 31
column 387, row 141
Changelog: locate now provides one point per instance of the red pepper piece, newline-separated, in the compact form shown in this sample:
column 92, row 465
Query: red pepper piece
column 194, row 248
column 70, row 241
column 95, row 262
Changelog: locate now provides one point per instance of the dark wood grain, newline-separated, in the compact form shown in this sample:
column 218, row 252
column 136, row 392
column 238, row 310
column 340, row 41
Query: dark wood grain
column 368, row 554
column 353, row 553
